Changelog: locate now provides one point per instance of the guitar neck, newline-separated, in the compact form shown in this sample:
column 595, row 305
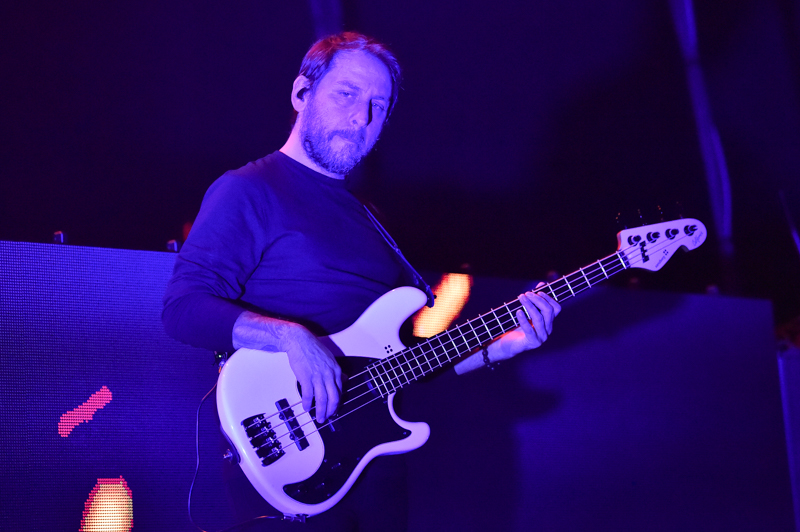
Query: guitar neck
column 444, row 349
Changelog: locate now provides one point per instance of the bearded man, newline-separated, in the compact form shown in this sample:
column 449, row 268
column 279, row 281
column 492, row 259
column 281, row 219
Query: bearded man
column 281, row 253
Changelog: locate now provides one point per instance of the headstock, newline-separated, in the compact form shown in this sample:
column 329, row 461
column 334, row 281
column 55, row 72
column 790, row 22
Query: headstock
column 651, row 246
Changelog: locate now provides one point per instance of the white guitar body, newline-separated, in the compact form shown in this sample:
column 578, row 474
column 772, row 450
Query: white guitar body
column 302, row 468
column 252, row 381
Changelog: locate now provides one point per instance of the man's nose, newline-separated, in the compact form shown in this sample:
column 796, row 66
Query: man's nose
column 361, row 116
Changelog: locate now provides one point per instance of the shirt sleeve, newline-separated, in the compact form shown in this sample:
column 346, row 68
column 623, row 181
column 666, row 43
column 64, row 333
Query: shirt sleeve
column 202, row 300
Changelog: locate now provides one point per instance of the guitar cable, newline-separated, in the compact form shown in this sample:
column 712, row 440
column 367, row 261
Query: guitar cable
column 197, row 470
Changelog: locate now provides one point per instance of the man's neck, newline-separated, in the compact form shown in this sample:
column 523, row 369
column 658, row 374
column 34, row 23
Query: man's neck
column 294, row 149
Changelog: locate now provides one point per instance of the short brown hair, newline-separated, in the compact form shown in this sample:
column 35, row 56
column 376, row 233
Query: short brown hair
column 319, row 57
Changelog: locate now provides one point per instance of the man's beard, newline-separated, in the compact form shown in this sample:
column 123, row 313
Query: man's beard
column 317, row 144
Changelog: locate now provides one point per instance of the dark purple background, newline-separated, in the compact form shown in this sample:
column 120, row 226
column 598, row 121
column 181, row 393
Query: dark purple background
column 521, row 130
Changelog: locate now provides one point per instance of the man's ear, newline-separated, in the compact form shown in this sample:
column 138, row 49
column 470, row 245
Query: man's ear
column 300, row 89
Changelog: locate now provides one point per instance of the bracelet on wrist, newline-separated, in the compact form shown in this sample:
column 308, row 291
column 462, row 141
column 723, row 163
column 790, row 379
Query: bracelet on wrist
column 486, row 362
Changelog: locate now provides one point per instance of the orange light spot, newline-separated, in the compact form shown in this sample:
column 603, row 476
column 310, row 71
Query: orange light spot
column 109, row 507
column 83, row 413
column 452, row 293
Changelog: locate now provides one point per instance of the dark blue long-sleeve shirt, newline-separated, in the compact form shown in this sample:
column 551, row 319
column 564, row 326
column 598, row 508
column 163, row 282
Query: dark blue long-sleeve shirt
column 277, row 238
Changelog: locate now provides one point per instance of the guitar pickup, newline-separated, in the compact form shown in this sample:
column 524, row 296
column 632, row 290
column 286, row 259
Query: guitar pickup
column 263, row 439
column 296, row 434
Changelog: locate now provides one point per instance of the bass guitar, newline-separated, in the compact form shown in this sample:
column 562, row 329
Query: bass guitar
column 302, row 467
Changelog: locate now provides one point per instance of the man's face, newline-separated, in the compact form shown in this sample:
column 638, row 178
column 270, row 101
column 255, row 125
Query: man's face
column 346, row 111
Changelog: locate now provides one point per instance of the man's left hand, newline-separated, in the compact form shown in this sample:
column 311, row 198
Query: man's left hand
column 532, row 332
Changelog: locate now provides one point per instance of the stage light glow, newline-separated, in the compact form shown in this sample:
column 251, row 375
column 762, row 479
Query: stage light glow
column 109, row 507
column 83, row 413
column 452, row 293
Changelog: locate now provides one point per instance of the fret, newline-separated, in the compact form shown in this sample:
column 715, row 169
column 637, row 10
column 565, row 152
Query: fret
column 427, row 354
column 458, row 336
column 507, row 316
column 421, row 359
column 378, row 380
column 600, row 263
column 443, row 350
column 424, row 358
column 443, row 343
column 563, row 293
column 388, row 374
column 486, row 326
column 391, row 372
column 524, row 311
column 386, row 378
column 416, row 360
column 488, row 321
column 584, row 276
column 452, row 341
column 625, row 260
column 620, row 258
column 405, row 367
column 483, row 342
column 552, row 294
column 477, row 340
column 453, row 347
column 512, row 317
column 568, row 286
column 499, row 320
column 397, row 375
column 578, row 283
column 411, row 363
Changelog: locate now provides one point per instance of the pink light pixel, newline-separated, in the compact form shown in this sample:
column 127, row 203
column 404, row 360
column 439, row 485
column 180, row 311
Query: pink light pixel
column 84, row 413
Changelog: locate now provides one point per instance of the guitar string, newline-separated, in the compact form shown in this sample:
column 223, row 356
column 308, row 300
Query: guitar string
column 632, row 260
column 428, row 342
column 596, row 278
column 594, row 269
column 506, row 322
column 504, row 325
column 367, row 403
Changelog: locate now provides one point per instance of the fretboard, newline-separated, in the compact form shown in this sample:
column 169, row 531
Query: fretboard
column 442, row 350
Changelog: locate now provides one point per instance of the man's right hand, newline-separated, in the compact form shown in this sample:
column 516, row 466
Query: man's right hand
column 319, row 375
column 314, row 366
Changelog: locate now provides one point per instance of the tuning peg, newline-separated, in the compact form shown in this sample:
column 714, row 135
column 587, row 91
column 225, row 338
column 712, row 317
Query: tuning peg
column 620, row 221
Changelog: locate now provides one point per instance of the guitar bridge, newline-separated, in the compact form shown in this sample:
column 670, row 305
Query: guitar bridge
column 296, row 434
column 263, row 439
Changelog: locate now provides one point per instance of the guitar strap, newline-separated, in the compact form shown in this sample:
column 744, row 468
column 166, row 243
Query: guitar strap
column 221, row 357
column 410, row 271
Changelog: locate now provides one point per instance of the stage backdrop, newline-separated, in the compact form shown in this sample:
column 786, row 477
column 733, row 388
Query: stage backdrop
column 645, row 411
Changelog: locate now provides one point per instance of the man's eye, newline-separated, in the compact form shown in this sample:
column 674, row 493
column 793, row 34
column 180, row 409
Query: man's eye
column 378, row 105
column 346, row 94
